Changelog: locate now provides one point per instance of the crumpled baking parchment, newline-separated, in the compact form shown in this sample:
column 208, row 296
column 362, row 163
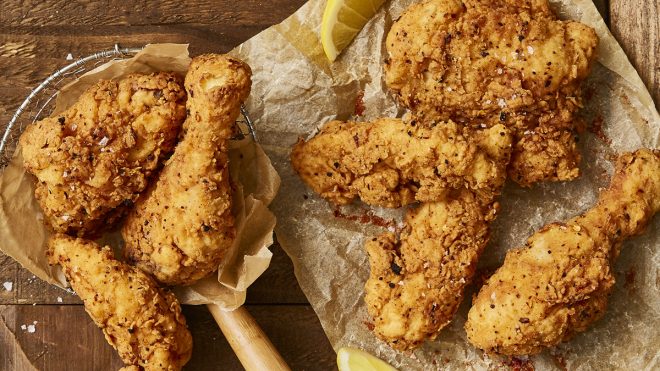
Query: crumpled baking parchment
column 296, row 90
column 23, row 235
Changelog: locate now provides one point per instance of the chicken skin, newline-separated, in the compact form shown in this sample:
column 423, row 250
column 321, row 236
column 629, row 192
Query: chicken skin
column 141, row 321
column 181, row 228
column 496, row 61
column 96, row 157
column 558, row 284
column 390, row 163
column 416, row 282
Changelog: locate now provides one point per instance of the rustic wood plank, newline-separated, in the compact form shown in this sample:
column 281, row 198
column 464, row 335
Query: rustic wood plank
column 636, row 24
column 145, row 12
column 65, row 335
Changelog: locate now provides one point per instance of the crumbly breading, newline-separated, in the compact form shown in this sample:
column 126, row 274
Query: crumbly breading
column 141, row 321
column 97, row 156
column 558, row 284
column 496, row 61
column 391, row 163
column 181, row 228
column 416, row 283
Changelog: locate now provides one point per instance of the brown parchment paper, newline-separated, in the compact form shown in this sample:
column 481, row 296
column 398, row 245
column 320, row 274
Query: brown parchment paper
column 296, row 90
column 23, row 235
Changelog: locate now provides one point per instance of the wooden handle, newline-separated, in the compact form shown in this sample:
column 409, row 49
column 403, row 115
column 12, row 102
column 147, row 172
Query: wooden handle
column 250, row 343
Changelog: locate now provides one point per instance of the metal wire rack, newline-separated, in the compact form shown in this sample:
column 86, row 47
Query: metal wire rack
column 40, row 102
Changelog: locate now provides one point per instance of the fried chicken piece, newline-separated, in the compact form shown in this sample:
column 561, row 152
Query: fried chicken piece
column 496, row 61
column 96, row 157
column 141, row 321
column 416, row 283
column 181, row 228
column 558, row 284
column 390, row 163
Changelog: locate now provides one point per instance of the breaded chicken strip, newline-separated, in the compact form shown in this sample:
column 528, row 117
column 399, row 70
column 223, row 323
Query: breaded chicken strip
column 496, row 61
column 98, row 155
column 143, row 322
column 390, row 163
column 181, row 228
column 416, row 283
column 558, row 284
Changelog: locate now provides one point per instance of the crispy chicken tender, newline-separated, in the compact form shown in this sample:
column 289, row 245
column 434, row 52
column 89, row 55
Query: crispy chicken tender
column 558, row 284
column 416, row 283
column 97, row 156
column 181, row 228
column 390, row 163
column 141, row 321
column 496, row 61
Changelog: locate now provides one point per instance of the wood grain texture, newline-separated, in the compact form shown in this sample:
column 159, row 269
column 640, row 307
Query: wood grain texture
column 636, row 25
column 65, row 336
column 145, row 12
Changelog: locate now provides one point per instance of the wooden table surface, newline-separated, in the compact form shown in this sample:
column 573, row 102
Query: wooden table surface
column 35, row 39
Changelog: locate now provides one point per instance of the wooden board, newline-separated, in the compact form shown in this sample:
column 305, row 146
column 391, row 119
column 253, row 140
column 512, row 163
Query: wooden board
column 636, row 25
column 65, row 336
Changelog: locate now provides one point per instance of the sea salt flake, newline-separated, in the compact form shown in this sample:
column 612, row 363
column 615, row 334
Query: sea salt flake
column 23, row 327
column 66, row 217
column 59, row 299
column 104, row 141
column 501, row 102
column 493, row 296
column 69, row 57
column 500, row 71
column 31, row 329
column 8, row 285
column 530, row 50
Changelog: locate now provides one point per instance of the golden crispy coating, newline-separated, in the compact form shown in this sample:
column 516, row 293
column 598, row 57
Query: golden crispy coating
column 143, row 322
column 496, row 61
column 98, row 155
column 416, row 283
column 181, row 228
column 390, row 163
column 558, row 284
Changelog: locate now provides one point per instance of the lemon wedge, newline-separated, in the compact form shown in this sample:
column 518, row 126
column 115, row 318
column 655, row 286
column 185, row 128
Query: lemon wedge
column 342, row 20
column 351, row 359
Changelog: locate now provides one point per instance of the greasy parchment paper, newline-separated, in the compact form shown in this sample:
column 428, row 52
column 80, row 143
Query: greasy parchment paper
column 23, row 235
column 296, row 90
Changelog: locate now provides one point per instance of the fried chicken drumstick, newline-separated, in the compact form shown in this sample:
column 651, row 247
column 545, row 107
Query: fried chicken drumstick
column 558, row 284
column 98, row 155
column 416, row 283
column 390, row 163
column 143, row 322
column 182, row 227
column 496, row 61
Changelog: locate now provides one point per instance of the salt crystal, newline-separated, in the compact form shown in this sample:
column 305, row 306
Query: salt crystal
column 8, row 285
column 488, row 101
column 501, row 102
column 493, row 296
column 31, row 329
column 426, row 265
column 499, row 71
column 530, row 50
column 59, row 299
column 66, row 217
column 74, row 126
column 104, row 141
column 23, row 327
column 400, row 283
column 449, row 89
column 69, row 57
column 65, row 174
column 35, row 322
column 391, row 229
